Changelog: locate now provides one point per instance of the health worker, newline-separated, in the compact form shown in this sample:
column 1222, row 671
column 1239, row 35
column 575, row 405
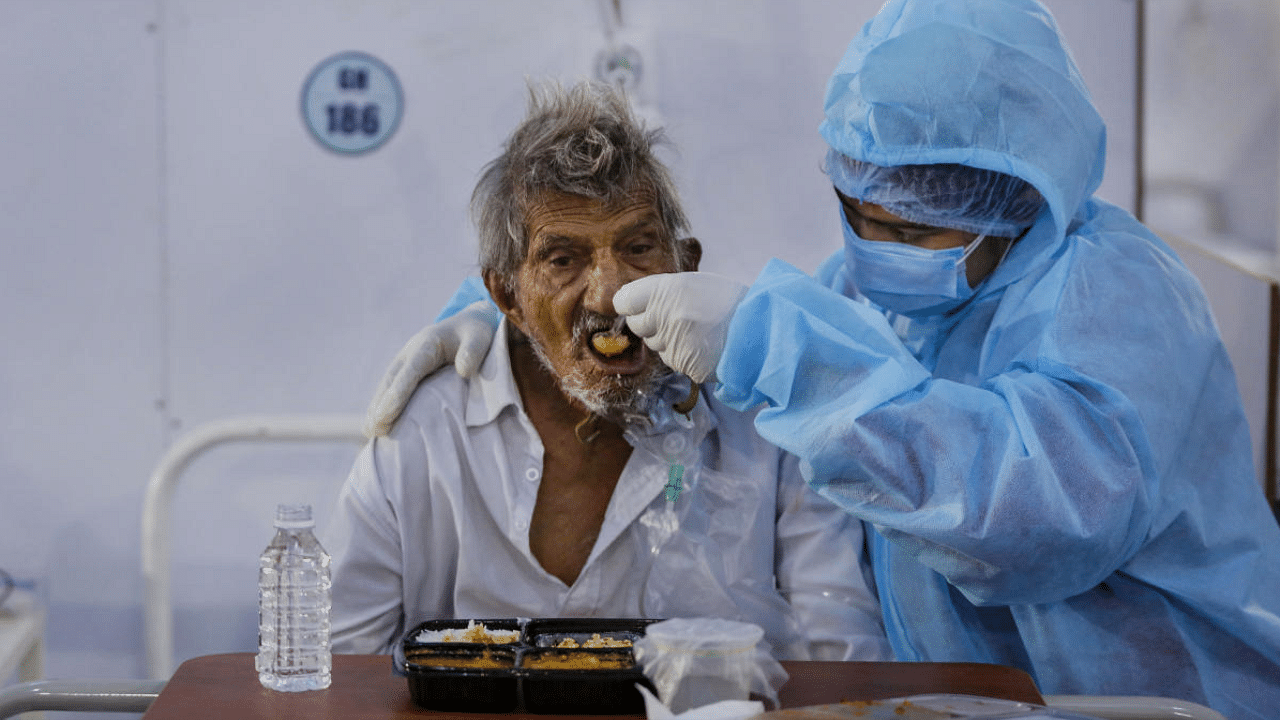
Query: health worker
column 1015, row 385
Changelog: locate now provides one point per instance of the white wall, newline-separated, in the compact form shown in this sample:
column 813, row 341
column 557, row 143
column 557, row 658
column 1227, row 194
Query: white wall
column 178, row 249
column 83, row 365
column 1212, row 159
column 1213, row 108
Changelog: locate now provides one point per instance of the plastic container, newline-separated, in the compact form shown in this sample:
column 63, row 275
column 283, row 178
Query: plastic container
column 582, row 679
column 549, row 632
column 430, row 631
column 530, row 674
column 293, row 606
column 698, row 661
column 441, row 675
column 461, row 677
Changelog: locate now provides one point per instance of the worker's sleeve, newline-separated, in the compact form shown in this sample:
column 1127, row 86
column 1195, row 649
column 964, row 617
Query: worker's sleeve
column 1030, row 487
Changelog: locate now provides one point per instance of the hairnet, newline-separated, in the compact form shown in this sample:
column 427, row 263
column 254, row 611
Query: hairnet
column 944, row 195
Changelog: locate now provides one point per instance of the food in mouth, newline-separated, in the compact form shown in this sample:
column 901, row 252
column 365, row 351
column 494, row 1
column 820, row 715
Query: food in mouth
column 614, row 341
column 610, row 343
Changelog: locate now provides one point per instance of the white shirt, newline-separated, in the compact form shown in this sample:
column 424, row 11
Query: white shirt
column 434, row 523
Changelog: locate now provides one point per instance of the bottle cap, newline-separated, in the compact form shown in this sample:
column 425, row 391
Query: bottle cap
column 294, row 516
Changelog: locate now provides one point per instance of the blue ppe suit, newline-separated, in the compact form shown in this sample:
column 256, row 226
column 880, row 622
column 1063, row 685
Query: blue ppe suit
column 1057, row 475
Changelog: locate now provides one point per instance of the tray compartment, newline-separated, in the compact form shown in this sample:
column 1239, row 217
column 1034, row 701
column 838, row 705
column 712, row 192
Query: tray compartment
column 466, row 678
column 548, row 632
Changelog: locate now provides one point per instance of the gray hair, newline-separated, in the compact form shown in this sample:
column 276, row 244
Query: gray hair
column 582, row 141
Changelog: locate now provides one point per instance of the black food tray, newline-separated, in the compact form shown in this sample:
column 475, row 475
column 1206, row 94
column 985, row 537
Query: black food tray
column 495, row 678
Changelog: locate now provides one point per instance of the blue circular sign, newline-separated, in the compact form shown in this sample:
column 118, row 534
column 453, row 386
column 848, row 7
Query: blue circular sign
column 352, row 102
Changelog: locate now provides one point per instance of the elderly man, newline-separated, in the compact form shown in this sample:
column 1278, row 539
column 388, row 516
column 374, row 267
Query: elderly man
column 560, row 480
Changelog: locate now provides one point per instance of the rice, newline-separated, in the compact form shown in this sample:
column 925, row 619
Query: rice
column 474, row 632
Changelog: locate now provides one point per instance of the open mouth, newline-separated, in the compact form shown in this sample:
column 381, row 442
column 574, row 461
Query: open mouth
column 617, row 350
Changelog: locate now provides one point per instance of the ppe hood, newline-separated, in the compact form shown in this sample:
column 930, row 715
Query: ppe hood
column 984, row 83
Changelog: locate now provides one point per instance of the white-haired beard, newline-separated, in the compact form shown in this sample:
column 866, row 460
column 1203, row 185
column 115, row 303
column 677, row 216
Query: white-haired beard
column 627, row 400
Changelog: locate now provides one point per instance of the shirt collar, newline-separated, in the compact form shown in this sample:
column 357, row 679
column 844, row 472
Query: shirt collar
column 494, row 388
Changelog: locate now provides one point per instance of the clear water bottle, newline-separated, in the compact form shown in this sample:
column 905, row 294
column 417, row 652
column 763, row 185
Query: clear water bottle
column 293, row 606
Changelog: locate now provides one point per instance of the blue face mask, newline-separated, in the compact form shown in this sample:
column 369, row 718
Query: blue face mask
column 907, row 280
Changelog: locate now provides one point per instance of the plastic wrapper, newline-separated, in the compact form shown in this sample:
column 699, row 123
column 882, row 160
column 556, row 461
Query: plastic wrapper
column 694, row 662
column 697, row 543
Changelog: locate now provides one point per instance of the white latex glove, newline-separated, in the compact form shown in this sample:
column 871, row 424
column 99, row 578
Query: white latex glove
column 462, row 339
column 684, row 317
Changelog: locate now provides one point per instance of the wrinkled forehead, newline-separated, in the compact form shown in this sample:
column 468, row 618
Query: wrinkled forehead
column 560, row 215
column 533, row 200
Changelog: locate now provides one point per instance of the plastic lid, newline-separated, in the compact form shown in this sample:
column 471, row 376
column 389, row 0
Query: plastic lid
column 294, row 516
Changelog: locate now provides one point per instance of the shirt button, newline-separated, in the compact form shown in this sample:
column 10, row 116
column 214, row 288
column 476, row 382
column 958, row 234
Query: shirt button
column 531, row 474
column 521, row 525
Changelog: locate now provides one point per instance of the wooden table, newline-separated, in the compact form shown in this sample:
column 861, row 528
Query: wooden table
column 225, row 687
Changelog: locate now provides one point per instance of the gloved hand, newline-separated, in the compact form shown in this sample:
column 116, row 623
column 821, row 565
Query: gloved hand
column 683, row 316
column 462, row 339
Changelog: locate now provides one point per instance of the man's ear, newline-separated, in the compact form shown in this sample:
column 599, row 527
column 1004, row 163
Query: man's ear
column 690, row 253
column 502, row 296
